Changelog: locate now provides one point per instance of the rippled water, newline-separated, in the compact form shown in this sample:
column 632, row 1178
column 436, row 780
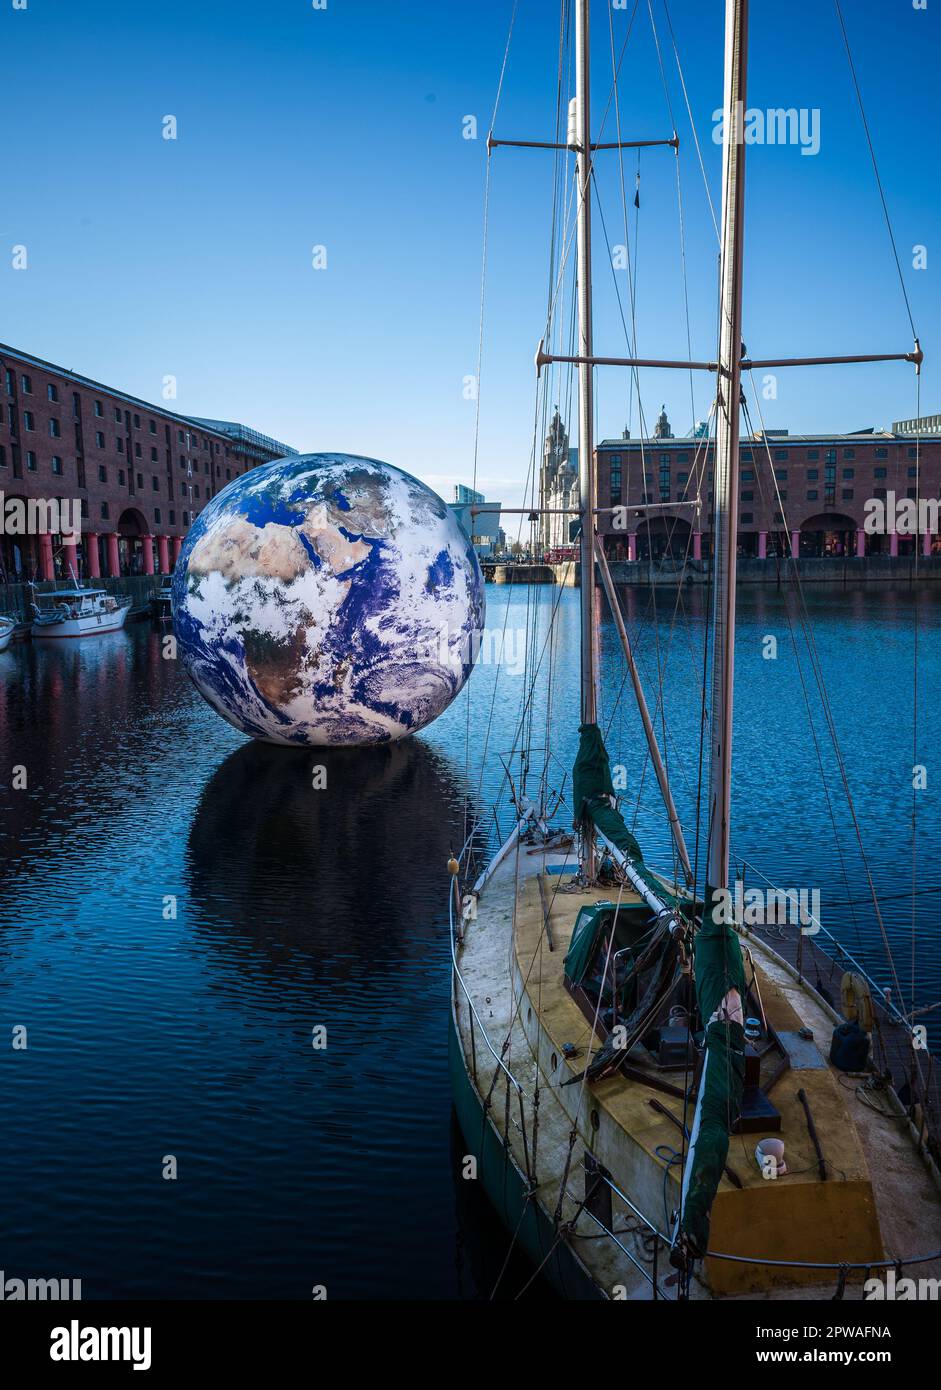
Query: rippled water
column 181, row 908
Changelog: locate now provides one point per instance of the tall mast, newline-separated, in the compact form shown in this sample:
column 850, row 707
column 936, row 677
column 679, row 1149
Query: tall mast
column 586, row 460
column 725, row 523
column 718, row 971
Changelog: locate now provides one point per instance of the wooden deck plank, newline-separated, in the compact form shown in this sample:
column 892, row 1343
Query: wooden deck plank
column 891, row 1042
column 874, row 1157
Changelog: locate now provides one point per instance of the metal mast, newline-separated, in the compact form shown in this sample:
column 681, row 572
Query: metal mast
column 580, row 136
column 725, row 522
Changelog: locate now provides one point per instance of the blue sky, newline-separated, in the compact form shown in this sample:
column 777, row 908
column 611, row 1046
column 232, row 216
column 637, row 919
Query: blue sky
column 343, row 128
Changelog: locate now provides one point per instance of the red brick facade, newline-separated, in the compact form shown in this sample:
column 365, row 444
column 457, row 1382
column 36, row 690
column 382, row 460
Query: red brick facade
column 813, row 505
column 141, row 473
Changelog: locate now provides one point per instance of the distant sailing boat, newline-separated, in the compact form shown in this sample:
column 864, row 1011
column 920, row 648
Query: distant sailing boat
column 609, row 1161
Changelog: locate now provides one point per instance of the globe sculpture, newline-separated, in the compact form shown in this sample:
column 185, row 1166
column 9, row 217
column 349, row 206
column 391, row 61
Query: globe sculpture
column 327, row 599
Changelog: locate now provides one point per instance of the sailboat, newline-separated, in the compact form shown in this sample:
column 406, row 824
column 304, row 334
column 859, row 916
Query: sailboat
column 611, row 1025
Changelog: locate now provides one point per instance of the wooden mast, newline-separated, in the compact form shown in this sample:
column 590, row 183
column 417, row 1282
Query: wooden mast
column 718, row 970
column 580, row 136
column 725, row 518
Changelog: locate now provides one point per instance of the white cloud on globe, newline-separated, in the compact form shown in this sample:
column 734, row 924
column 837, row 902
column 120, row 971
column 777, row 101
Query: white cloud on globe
column 328, row 599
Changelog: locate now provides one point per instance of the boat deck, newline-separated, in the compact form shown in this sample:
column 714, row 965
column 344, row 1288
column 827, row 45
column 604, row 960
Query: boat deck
column 878, row 1201
column 891, row 1043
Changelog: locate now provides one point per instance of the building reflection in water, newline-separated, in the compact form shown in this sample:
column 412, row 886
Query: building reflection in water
column 81, row 717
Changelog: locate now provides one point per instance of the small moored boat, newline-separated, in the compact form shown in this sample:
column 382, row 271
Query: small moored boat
column 160, row 604
column 78, row 613
column 7, row 629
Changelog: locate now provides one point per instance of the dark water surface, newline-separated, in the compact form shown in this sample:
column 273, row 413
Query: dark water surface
column 181, row 908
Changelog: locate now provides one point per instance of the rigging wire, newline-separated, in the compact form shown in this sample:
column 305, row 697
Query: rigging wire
column 807, row 628
column 529, row 487
column 679, row 199
column 697, row 470
column 552, row 635
column 692, row 123
column 915, row 762
column 875, row 166
column 632, row 339
column 809, row 712
column 804, row 617
column 480, row 348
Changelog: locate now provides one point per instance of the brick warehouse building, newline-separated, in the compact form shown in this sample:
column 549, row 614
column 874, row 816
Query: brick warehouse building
column 824, row 479
column 141, row 473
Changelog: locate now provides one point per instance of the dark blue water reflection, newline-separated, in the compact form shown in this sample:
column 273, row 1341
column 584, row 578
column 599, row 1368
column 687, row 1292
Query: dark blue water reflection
column 153, row 1034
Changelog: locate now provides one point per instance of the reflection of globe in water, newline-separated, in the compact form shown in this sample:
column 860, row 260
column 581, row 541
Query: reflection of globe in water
column 326, row 598
column 291, row 848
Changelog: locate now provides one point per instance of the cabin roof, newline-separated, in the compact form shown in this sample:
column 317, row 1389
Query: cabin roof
column 71, row 593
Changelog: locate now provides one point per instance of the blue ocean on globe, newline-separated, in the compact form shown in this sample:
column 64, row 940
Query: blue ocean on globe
column 328, row 599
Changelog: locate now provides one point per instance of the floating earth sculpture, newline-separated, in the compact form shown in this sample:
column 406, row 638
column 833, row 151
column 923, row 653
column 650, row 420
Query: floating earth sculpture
column 327, row 599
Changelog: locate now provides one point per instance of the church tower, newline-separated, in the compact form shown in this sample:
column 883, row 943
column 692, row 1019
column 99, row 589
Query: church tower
column 661, row 429
column 552, row 474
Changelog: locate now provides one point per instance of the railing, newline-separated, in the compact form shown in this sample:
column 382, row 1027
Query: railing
column 878, row 990
column 925, row 1126
column 834, row 1267
column 473, row 1015
column 658, row 1237
column 661, row 1241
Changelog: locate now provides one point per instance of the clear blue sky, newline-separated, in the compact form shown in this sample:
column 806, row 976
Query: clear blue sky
column 343, row 127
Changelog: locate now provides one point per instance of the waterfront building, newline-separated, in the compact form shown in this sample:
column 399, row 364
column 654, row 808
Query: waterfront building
column 813, row 505
column 140, row 472
column 483, row 528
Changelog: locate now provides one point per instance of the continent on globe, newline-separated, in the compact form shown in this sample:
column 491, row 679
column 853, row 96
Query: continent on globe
column 328, row 599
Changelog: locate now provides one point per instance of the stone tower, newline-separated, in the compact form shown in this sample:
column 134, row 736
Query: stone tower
column 558, row 483
column 661, row 429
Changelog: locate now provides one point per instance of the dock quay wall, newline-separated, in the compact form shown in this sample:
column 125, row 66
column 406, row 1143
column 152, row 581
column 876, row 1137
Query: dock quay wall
column 870, row 569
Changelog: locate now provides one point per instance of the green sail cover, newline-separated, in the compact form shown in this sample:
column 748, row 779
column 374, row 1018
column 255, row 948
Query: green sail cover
column 588, row 927
column 718, row 968
column 592, row 787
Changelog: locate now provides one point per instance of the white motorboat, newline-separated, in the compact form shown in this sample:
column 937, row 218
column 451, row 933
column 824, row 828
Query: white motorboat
column 7, row 629
column 78, row 613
